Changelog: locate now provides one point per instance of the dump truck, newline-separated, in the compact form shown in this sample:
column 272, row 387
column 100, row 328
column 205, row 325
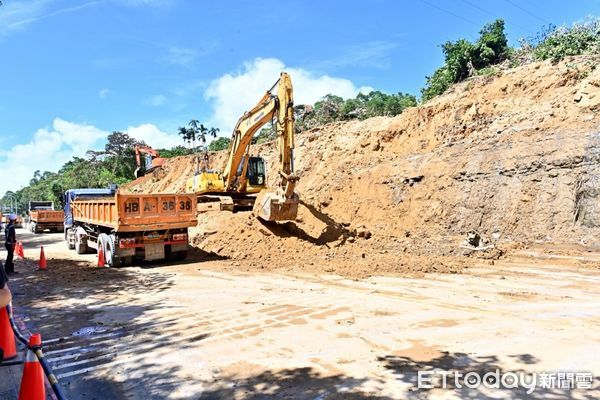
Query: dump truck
column 125, row 226
column 18, row 221
column 43, row 216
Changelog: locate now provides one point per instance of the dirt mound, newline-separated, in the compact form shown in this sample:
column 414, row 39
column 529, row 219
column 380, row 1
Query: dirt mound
column 513, row 156
column 171, row 178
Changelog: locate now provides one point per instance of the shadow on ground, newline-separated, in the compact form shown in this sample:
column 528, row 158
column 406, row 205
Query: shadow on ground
column 333, row 230
column 299, row 383
column 406, row 369
column 76, row 305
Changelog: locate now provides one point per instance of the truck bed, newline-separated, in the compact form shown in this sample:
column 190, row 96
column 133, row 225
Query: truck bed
column 137, row 212
column 45, row 216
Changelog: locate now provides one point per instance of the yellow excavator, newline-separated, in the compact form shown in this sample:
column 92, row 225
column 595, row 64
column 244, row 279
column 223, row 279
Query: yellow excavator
column 243, row 179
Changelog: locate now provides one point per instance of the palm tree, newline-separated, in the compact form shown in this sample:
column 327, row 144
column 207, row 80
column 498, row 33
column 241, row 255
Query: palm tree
column 194, row 124
column 187, row 134
column 213, row 132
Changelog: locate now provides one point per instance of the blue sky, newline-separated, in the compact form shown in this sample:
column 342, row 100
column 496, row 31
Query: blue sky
column 74, row 70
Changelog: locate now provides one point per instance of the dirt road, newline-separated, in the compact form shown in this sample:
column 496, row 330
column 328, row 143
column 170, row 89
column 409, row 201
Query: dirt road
column 210, row 329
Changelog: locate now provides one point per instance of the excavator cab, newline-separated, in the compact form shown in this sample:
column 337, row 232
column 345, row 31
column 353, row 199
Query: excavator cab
column 255, row 174
column 147, row 160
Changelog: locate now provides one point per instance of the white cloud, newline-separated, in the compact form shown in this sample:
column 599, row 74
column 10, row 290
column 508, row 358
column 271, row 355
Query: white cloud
column 50, row 148
column 103, row 93
column 156, row 100
column 153, row 136
column 233, row 94
column 47, row 150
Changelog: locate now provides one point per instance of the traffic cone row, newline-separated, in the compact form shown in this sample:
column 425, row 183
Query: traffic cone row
column 42, row 262
column 8, row 342
column 33, row 386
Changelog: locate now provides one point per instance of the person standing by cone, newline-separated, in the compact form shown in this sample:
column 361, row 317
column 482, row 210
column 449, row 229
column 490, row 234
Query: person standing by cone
column 10, row 242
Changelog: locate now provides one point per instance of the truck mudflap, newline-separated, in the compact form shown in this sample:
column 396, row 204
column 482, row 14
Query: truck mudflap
column 154, row 251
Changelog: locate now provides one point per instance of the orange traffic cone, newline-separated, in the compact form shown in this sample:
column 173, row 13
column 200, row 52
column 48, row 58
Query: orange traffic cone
column 42, row 262
column 101, row 260
column 32, row 382
column 20, row 251
column 7, row 336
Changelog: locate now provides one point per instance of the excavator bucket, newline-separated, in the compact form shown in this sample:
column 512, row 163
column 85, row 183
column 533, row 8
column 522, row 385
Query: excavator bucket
column 273, row 205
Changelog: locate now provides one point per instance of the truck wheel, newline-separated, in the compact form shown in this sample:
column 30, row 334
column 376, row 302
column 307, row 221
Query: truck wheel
column 107, row 244
column 110, row 253
column 80, row 245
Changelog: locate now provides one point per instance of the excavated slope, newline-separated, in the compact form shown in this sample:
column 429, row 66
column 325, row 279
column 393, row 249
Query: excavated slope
column 514, row 156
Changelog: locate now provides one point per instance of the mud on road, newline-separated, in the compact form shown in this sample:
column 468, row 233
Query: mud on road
column 210, row 329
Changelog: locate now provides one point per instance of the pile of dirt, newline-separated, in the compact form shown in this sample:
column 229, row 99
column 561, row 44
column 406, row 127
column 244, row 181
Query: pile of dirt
column 171, row 178
column 513, row 156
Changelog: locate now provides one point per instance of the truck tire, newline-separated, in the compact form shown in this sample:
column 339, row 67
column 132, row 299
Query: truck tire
column 81, row 246
column 111, row 259
column 107, row 244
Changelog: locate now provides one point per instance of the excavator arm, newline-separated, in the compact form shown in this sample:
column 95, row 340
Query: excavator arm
column 243, row 132
column 282, row 203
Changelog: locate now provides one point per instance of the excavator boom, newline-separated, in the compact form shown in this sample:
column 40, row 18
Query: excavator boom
column 243, row 132
column 279, row 203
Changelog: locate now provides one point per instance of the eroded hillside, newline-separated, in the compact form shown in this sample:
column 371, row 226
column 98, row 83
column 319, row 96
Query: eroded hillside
column 513, row 156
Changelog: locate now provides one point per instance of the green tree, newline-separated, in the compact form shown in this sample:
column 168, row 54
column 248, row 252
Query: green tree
column 555, row 43
column 118, row 156
column 188, row 135
column 218, row 144
column 492, row 45
column 266, row 134
column 200, row 132
column 174, row 152
column 462, row 58
column 196, row 132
